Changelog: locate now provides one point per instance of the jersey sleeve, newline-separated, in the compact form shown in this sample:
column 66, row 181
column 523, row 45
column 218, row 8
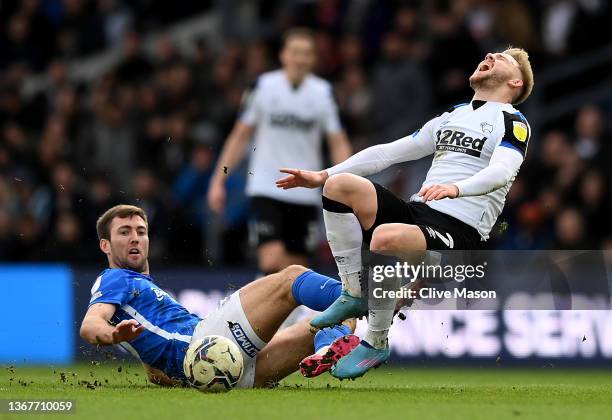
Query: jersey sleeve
column 502, row 168
column 516, row 132
column 331, row 120
column 113, row 286
column 250, row 111
column 374, row 159
column 425, row 137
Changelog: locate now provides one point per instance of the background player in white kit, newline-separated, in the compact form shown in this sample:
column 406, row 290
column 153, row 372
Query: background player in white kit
column 287, row 112
column 478, row 149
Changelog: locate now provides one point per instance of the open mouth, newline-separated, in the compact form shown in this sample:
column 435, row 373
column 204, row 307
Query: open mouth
column 485, row 67
column 134, row 251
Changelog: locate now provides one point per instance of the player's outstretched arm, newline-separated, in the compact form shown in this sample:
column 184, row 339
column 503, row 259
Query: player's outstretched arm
column 96, row 328
column 367, row 162
column 301, row 178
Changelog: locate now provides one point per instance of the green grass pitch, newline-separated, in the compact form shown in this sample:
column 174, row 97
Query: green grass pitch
column 109, row 391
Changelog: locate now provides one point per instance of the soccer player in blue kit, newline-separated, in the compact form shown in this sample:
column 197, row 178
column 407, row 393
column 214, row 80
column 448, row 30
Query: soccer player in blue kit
column 128, row 309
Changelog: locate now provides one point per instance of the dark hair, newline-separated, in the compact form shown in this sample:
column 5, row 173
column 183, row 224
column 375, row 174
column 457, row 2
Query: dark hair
column 121, row 210
column 298, row 32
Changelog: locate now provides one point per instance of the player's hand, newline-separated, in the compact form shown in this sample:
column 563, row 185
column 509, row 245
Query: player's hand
column 438, row 192
column 127, row 330
column 300, row 178
column 216, row 197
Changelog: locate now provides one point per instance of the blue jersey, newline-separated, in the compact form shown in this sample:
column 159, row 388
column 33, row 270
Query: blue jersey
column 168, row 325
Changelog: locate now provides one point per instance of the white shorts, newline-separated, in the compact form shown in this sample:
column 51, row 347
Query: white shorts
column 230, row 321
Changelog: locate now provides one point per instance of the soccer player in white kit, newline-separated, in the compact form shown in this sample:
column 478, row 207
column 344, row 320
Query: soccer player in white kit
column 287, row 112
column 478, row 148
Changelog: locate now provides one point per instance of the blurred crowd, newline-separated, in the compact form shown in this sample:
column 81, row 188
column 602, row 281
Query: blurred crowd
column 148, row 132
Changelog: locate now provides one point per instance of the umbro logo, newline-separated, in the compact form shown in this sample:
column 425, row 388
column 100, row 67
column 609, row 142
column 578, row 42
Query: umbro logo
column 242, row 339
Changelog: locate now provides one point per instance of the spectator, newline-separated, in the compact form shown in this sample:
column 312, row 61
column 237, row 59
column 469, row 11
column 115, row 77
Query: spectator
column 592, row 144
column 570, row 230
column 109, row 143
column 189, row 196
column 135, row 66
column 70, row 147
column 452, row 55
column 401, row 98
column 150, row 196
column 66, row 244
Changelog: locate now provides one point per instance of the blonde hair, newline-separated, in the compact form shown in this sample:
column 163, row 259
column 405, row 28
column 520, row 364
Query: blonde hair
column 121, row 211
column 522, row 58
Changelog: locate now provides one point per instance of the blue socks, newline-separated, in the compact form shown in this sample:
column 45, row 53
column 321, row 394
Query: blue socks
column 326, row 336
column 315, row 290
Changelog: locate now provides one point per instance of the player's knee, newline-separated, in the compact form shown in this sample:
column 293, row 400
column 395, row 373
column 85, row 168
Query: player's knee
column 293, row 272
column 391, row 237
column 285, row 279
column 339, row 186
column 385, row 238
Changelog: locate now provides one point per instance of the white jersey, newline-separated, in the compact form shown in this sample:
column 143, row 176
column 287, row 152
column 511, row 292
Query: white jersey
column 290, row 123
column 463, row 141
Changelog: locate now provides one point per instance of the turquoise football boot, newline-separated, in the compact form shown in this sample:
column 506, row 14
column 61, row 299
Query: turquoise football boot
column 363, row 358
column 345, row 307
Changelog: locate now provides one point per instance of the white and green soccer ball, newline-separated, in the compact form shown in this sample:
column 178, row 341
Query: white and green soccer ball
column 213, row 364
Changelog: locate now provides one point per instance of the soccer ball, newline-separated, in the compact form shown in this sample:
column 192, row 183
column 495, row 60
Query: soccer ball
column 213, row 364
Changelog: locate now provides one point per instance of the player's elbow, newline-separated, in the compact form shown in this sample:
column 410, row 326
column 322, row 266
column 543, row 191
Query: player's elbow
column 86, row 332
column 156, row 380
column 89, row 332
column 505, row 176
column 158, row 377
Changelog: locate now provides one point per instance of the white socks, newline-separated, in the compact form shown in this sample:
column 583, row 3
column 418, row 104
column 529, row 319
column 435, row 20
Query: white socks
column 381, row 309
column 379, row 322
column 345, row 238
column 377, row 339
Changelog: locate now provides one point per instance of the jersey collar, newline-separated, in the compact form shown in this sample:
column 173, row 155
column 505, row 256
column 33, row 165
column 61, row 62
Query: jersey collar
column 477, row 103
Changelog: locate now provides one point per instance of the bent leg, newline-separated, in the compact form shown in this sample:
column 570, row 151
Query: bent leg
column 349, row 206
column 398, row 238
column 268, row 301
column 408, row 243
column 356, row 192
